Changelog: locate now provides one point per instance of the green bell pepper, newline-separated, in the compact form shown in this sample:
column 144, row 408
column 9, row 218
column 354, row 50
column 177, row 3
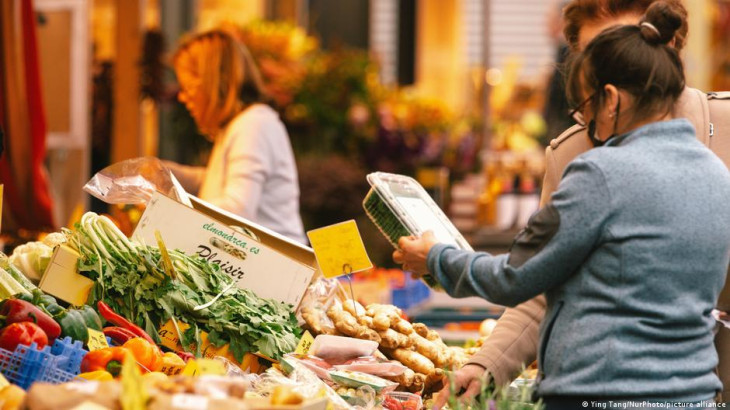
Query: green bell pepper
column 73, row 325
column 46, row 302
column 91, row 318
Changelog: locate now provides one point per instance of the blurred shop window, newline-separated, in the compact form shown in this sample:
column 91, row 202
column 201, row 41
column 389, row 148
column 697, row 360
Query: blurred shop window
column 516, row 29
column 339, row 23
column 63, row 51
column 392, row 38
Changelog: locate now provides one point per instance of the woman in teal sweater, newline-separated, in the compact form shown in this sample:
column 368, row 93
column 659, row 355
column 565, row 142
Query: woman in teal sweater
column 616, row 250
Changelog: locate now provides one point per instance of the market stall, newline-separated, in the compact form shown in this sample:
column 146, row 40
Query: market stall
column 90, row 315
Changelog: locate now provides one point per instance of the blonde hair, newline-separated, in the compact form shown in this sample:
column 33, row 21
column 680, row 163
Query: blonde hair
column 229, row 78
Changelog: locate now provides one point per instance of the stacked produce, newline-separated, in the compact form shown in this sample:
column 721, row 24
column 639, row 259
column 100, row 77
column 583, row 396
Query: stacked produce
column 150, row 288
column 416, row 346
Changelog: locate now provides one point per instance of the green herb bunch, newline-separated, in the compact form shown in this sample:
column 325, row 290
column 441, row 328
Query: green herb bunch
column 133, row 279
column 493, row 398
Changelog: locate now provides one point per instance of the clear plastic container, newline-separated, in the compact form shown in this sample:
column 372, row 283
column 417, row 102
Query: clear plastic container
column 399, row 206
column 399, row 400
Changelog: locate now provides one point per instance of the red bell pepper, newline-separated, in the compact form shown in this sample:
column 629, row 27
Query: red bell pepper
column 16, row 311
column 22, row 333
column 112, row 317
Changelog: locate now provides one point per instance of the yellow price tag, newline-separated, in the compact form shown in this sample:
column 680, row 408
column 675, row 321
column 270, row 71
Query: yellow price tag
column 305, row 343
column 211, row 366
column 3, row 382
column 191, row 368
column 97, row 340
column 339, row 249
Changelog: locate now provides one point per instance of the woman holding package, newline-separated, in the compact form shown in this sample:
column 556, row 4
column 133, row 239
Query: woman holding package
column 251, row 171
column 631, row 251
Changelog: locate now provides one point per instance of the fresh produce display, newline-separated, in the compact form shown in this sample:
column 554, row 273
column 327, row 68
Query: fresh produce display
column 147, row 355
column 122, row 323
column 17, row 311
column 11, row 280
column 416, row 346
column 74, row 322
column 32, row 258
column 134, row 281
column 22, row 333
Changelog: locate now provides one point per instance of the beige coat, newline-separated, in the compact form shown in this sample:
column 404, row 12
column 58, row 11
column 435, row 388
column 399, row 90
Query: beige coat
column 513, row 343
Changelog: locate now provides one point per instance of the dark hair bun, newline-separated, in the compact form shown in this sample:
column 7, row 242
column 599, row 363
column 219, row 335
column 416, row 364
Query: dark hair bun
column 660, row 23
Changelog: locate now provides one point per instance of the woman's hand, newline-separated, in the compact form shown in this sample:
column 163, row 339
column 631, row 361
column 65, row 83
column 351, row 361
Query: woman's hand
column 469, row 378
column 413, row 252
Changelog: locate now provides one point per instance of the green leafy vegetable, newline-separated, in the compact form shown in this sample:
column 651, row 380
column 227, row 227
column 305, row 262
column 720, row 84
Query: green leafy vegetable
column 130, row 278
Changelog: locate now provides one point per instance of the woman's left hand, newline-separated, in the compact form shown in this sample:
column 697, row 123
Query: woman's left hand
column 413, row 253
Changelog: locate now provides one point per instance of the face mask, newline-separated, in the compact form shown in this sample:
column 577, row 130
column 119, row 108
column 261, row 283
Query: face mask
column 597, row 142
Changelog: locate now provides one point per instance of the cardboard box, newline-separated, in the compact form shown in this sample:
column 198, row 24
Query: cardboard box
column 62, row 280
column 257, row 258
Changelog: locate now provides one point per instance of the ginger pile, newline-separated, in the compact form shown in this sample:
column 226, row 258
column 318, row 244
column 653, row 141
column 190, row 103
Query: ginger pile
column 414, row 345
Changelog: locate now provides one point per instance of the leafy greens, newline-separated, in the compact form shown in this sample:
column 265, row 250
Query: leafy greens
column 131, row 278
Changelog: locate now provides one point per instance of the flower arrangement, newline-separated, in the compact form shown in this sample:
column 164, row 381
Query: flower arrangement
column 333, row 102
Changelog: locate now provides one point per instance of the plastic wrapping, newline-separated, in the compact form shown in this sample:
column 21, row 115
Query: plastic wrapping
column 374, row 366
column 339, row 349
column 304, row 382
column 134, row 181
column 319, row 297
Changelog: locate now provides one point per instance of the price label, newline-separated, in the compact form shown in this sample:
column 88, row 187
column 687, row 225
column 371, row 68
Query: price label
column 97, row 340
column 339, row 249
column 172, row 370
column 211, row 366
column 305, row 343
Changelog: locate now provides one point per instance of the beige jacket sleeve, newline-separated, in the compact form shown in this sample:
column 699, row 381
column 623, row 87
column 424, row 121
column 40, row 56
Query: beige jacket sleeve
column 513, row 343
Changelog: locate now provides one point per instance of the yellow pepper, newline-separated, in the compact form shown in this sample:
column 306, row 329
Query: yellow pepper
column 11, row 397
column 100, row 375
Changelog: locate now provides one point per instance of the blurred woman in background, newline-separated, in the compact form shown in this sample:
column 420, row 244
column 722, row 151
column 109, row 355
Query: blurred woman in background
column 251, row 171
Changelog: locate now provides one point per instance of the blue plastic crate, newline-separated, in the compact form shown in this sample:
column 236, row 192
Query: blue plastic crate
column 27, row 365
column 412, row 293
column 69, row 354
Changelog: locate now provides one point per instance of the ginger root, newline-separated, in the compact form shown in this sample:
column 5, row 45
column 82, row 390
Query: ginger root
column 390, row 339
column 402, row 326
column 381, row 321
column 409, row 379
column 440, row 356
column 353, row 307
column 424, row 331
column 348, row 325
column 317, row 321
column 413, row 360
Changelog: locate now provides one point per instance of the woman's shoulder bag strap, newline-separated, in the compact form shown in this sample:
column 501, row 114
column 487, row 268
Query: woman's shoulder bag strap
column 719, row 121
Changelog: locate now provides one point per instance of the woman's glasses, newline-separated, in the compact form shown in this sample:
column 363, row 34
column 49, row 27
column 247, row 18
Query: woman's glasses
column 577, row 114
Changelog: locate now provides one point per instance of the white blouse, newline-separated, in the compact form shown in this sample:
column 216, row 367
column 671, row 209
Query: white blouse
column 251, row 172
